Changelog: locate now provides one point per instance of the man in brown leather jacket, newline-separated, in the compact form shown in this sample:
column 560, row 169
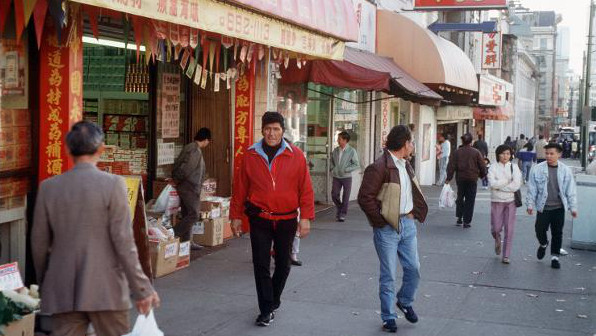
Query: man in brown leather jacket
column 394, row 224
column 467, row 163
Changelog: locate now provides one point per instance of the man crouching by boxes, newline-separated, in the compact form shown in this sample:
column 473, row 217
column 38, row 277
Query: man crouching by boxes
column 272, row 184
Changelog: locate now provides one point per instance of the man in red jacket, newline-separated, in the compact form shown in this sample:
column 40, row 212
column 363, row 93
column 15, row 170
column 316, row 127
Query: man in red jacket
column 272, row 188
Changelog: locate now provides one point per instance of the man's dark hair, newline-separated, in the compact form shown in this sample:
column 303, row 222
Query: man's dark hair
column 444, row 135
column 84, row 138
column 479, row 136
column 203, row 134
column 344, row 135
column 522, row 136
column 540, row 137
column 501, row 149
column 467, row 139
column 271, row 118
column 554, row 145
column 529, row 147
column 397, row 137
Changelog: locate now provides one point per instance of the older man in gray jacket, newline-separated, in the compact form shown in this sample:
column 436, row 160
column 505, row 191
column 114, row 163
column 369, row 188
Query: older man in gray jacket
column 188, row 173
column 83, row 247
column 344, row 160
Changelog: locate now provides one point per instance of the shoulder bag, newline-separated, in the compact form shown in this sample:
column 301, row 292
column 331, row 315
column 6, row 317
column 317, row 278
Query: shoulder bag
column 517, row 195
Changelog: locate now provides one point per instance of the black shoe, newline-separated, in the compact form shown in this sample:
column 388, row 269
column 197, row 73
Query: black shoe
column 409, row 313
column 467, row 225
column 390, row 326
column 540, row 253
column 264, row 320
column 296, row 262
column 341, row 219
column 459, row 222
column 555, row 264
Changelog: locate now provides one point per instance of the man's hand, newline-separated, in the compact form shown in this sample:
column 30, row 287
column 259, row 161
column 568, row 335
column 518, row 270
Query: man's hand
column 530, row 211
column 304, row 227
column 237, row 227
column 144, row 305
column 447, row 182
column 574, row 214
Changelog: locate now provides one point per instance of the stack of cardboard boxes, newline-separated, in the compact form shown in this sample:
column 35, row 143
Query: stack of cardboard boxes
column 215, row 221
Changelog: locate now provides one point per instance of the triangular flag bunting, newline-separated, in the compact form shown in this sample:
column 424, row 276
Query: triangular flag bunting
column 28, row 6
column 4, row 9
column 19, row 18
column 39, row 19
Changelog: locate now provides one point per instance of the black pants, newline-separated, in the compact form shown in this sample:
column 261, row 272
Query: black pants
column 190, row 205
column 555, row 219
column 341, row 203
column 466, row 198
column 263, row 233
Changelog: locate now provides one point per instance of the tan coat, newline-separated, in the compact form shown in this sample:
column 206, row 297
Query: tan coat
column 82, row 243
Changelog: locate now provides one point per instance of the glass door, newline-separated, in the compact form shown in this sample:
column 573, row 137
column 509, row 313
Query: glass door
column 318, row 141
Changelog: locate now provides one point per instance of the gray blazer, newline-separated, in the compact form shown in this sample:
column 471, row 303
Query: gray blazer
column 189, row 168
column 82, row 242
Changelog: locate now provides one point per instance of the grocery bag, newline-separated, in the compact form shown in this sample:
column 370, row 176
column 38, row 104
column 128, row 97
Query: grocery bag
column 145, row 326
column 447, row 198
column 161, row 204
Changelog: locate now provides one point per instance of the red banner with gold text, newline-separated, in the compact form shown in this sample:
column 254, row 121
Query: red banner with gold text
column 61, row 93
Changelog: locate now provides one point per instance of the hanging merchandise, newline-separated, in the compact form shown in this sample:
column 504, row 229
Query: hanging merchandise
column 261, row 52
column 205, row 47
column 251, row 51
column 211, row 58
column 191, row 67
column 184, row 35
column 198, row 72
column 204, row 79
column 298, row 63
column 185, row 58
column 217, row 55
column 226, row 41
column 286, row 59
column 236, row 43
column 39, row 19
column 243, row 52
column 275, row 53
column 174, row 34
column 177, row 50
column 161, row 29
column 216, row 83
column 193, row 38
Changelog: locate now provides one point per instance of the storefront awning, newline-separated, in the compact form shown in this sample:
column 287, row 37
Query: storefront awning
column 232, row 21
column 364, row 71
column 429, row 58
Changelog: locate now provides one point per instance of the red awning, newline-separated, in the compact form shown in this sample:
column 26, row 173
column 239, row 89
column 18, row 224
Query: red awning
column 493, row 113
column 363, row 71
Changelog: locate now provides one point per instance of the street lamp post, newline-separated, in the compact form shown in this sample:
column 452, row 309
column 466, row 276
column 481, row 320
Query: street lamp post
column 586, row 113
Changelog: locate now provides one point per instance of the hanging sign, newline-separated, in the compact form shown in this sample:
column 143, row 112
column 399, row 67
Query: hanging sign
column 170, row 106
column 491, row 91
column 459, row 4
column 385, row 122
column 491, row 50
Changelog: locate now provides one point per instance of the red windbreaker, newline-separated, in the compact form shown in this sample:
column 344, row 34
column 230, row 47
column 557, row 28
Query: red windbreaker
column 284, row 188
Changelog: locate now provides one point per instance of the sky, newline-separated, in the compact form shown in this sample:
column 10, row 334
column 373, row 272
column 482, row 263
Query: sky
column 575, row 16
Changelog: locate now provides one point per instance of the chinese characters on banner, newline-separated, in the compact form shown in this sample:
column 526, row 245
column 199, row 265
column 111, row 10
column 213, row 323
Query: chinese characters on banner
column 459, row 4
column 243, row 119
column 61, row 85
column 170, row 106
column 491, row 50
column 385, row 123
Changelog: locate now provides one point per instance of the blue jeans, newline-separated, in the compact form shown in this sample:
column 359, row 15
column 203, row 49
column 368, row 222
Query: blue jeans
column 390, row 245
column 526, row 166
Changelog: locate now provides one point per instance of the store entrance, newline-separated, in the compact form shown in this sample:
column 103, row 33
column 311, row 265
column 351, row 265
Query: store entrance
column 212, row 110
column 450, row 131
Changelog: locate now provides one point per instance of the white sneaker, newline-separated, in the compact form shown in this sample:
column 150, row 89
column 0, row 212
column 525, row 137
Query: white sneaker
column 563, row 252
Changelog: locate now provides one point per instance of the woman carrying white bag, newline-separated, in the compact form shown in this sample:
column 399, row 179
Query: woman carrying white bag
column 504, row 179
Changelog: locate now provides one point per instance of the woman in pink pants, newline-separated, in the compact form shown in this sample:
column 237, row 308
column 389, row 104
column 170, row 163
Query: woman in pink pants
column 504, row 179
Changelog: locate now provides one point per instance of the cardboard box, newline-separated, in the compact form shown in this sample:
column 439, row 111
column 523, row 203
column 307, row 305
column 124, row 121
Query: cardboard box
column 227, row 228
column 23, row 327
column 213, row 234
column 164, row 256
column 183, row 256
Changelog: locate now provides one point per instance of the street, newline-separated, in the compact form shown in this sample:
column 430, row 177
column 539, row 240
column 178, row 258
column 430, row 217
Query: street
column 465, row 289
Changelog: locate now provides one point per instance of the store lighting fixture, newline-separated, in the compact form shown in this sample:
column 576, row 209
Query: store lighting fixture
column 110, row 43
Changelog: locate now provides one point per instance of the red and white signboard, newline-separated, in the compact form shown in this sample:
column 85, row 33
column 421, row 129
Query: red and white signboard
column 491, row 91
column 459, row 4
column 491, row 50
column 385, row 122
column 10, row 277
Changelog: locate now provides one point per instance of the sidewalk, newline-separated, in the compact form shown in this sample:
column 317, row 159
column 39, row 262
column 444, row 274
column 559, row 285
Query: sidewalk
column 465, row 289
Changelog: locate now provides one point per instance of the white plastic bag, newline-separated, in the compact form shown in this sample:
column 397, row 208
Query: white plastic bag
column 145, row 326
column 161, row 203
column 447, row 198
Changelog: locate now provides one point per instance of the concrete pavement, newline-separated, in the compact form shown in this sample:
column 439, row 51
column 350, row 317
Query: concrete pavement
column 465, row 289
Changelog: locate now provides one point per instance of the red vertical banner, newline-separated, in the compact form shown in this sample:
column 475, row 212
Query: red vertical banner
column 243, row 119
column 61, row 93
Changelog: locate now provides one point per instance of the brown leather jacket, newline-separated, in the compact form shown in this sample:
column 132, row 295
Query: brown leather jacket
column 467, row 164
column 383, row 170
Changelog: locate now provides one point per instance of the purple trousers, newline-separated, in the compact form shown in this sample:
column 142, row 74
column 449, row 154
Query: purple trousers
column 502, row 218
column 341, row 204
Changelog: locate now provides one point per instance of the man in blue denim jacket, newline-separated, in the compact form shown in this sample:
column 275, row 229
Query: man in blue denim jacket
column 551, row 191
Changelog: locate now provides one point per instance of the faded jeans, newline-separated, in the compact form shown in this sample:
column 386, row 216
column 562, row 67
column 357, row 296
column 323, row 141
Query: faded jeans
column 526, row 166
column 390, row 245
column 443, row 170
